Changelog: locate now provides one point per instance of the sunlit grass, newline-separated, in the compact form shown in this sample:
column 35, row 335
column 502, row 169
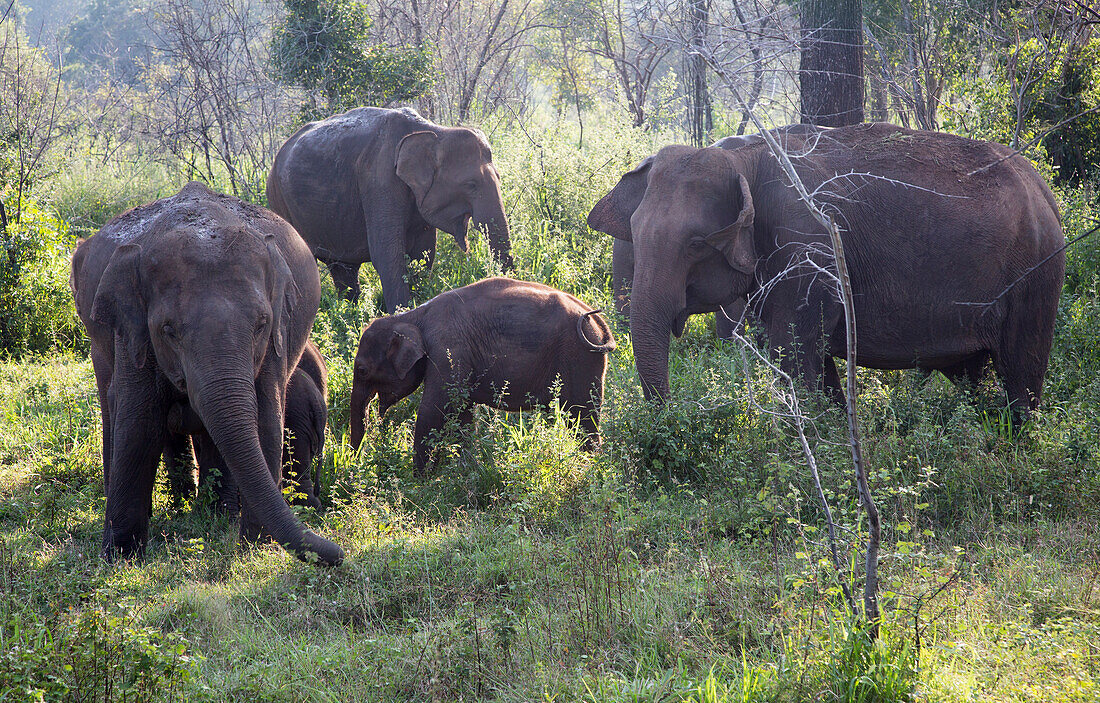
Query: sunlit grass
column 681, row 561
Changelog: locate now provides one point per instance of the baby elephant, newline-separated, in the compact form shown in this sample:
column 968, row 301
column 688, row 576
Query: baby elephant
column 508, row 344
column 303, row 430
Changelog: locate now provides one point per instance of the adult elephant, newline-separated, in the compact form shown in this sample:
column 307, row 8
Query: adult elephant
column 953, row 245
column 730, row 316
column 374, row 184
column 204, row 300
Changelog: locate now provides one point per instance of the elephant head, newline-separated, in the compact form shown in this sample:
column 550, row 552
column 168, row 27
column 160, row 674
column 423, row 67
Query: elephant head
column 692, row 257
column 391, row 363
column 454, row 182
column 209, row 304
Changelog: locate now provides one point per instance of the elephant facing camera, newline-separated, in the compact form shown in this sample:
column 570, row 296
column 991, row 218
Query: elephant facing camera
column 198, row 299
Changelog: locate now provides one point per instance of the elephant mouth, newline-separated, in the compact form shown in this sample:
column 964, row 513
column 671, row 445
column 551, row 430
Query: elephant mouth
column 680, row 323
column 459, row 231
column 385, row 402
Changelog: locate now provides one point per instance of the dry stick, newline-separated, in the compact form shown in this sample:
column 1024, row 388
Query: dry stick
column 800, row 427
column 1033, row 142
column 1025, row 274
column 870, row 584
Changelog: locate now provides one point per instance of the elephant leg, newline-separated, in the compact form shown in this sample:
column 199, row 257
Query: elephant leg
column 104, row 369
column 429, row 420
column 215, row 472
column 833, row 389
column 180, row 467
column 422, row 240
column 138, row 431
column 797, row 361
column 731, row 319
column 435, row 407
column 1022, row 378
column 589, row 421
column 388, row 244
column 968, row 373
column 583, row 403
column 392, row 273
column 802, row 340
column 345, row 278
column 270, row 404
column 622, row 275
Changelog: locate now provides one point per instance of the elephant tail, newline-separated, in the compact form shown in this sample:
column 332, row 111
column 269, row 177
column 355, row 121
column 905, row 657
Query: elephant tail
column 605, row 332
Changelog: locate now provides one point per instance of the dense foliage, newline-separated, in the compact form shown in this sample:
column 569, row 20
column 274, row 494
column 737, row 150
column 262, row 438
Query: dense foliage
column 684, row 560
column 324, row 46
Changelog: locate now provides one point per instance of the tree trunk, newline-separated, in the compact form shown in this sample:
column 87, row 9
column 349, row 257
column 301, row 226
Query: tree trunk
column 831, row 70
column 700, row 113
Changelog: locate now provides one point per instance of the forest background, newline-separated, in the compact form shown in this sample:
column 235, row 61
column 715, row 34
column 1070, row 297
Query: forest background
column 686, row 560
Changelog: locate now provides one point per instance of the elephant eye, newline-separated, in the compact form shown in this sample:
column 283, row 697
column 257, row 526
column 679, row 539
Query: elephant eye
column 169, row 330
column 471, row 184
column 698, row 243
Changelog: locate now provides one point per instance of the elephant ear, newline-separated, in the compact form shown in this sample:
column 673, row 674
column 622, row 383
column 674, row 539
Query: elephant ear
column 282, row 292
column 416, row 162
column 735, row 241
column 406, row 348
column 612, row 213
column 118, row 302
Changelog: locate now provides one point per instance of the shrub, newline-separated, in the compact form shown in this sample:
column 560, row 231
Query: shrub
column 38, row 312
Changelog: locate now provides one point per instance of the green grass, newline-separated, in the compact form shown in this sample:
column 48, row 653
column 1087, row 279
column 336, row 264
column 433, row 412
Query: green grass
column 684, row 561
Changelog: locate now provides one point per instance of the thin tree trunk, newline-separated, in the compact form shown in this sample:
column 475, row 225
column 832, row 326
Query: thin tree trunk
column 757, row 68
column 469, row 89
column 914, row 72
column 700, row 115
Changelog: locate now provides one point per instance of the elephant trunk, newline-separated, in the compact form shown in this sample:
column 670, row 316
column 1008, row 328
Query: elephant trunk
column 227, row 404
column 495, row 224
column 651, row 326
column 360, row 396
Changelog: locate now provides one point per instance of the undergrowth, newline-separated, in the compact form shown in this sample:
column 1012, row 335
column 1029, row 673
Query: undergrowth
column 684, row 560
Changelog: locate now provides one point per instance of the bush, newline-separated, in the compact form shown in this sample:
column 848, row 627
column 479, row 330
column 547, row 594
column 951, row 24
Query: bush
column 39, row 316
column 103, row 650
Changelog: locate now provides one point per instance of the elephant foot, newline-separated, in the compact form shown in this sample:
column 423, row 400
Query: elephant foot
column 126, row 547
column 228, row 509
column 310, row 500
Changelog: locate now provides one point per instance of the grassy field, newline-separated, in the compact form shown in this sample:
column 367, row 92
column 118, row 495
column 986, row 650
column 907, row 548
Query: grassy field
column 683, row 561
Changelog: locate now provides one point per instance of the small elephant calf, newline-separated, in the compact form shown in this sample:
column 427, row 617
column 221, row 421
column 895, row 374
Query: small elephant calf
column 509, row 343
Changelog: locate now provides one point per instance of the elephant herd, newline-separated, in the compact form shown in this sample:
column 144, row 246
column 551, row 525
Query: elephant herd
column 199, row 306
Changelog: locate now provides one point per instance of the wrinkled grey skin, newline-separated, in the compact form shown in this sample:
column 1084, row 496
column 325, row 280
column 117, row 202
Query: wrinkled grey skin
column 730, row 316
column 929, row 241
column 507, row 344
column 374, row 184
column 305, row 418
column 197, row 298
